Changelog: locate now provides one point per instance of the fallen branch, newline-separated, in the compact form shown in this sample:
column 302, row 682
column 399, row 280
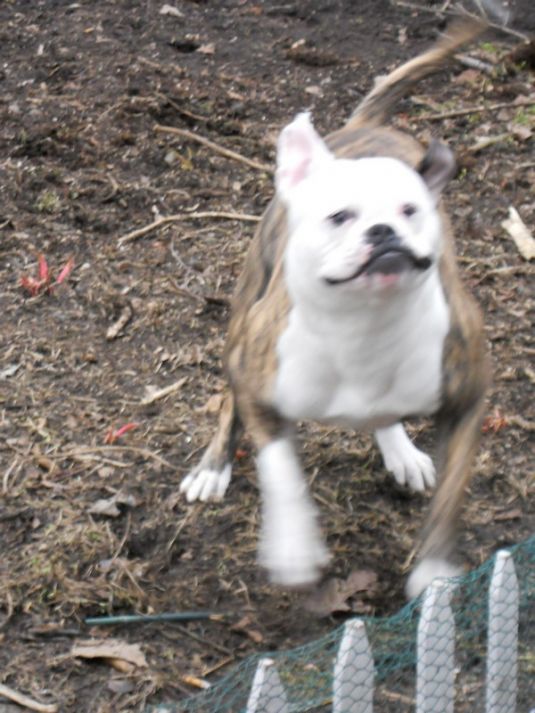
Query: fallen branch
column 181, row 217
column 184, row 133
column 26, row 701
column 472, row 110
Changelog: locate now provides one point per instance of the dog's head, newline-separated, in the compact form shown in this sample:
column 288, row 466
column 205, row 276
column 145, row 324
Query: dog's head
column 357, row 226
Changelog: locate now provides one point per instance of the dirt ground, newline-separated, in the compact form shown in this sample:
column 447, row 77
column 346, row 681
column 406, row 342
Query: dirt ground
column 90, row 516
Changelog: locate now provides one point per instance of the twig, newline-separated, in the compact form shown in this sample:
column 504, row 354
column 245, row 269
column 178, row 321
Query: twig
column 201, row 640
column 106, row 449
column 445, row 11
column 123, row 538
column 5, row 479
column 23, row 700
column 394, row 696
column 522, row 422
column 181, row 217
column 161, row 393
column 494, row 25
column 194, row 511
column 10, row 609
column 415, row 6
column 486, row 141
column 216, row 667
column 473, row 110
column 474, row 63
column 116, row 328
column 179, row 109
column 184, row 133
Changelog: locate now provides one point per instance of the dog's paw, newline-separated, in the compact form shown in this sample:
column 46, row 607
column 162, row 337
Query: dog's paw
column 415, row 469
column 425, row 572
column 409, row 465
column 206, row 484
column 292, row 549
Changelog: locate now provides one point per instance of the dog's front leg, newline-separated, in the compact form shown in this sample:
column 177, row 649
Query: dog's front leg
column 459, row 422
column 409, row 465
column 291, row 546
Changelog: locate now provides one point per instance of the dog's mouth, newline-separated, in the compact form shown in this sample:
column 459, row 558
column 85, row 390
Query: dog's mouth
column 386, row 260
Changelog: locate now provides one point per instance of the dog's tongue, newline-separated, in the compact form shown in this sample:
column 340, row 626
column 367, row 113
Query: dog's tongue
column 389, row 263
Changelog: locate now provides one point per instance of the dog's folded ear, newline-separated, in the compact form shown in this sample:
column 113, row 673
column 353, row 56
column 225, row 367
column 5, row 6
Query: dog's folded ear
column 300, row 152
column 437, row 167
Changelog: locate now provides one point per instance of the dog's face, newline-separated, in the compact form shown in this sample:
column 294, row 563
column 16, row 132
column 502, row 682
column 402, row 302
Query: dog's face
column 357, row 226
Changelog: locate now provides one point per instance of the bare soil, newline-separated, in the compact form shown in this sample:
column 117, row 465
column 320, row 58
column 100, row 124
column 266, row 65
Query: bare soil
column 84, row 85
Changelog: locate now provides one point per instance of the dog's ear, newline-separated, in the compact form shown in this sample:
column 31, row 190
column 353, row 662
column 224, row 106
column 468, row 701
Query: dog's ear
column 437, row 167
column 300, row 151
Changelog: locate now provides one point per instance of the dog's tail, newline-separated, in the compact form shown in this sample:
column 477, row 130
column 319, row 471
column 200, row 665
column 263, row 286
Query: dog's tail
column 379, row 103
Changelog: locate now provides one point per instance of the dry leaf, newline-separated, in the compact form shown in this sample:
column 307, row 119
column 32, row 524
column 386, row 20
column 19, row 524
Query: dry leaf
column 494, row 422
column 105, row 507
column 213, row 405
column 117, row 653
column 302, row 53
column 521, row 132
column 333, row 595
column 121, row 685
column 127, row 499
column 108, row 506
column 170, row 10
column 518, row 230
column 243, row 627
column 469, row 76
column 207, row 49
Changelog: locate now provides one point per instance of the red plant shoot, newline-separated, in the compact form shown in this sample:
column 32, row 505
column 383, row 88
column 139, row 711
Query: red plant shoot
column 44, row 282
column 114, row 434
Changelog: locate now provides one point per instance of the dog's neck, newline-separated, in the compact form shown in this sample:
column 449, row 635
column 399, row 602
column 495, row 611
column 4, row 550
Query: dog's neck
column 389, row 311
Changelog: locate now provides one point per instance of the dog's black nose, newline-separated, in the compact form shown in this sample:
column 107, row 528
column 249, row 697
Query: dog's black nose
column 381, row 233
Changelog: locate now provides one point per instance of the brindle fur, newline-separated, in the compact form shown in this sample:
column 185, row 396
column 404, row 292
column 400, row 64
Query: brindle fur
column 261, row 306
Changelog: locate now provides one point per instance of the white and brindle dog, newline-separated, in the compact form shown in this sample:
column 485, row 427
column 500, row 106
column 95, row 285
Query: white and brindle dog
column 350, row 311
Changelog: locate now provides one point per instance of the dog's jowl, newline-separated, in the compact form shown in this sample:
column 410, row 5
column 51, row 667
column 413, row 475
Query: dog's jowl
column 350, row 311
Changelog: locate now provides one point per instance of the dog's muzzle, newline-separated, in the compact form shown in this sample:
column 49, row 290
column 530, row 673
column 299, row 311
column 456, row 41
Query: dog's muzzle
column 387, row 257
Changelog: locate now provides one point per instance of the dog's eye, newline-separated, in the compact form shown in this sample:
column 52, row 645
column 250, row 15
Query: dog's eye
column 341, row 217
column 408, row 209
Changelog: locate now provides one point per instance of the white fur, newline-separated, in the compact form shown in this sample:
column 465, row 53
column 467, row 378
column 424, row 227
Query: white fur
column 291, row 546
column 206, row 484
column 368, row 368
column 425, row 572
column 409, row 465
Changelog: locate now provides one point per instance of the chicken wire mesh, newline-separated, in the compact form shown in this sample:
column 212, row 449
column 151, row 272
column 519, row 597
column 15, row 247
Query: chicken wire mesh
column 304, row 679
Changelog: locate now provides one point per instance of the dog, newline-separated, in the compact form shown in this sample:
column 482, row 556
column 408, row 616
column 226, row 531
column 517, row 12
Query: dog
column 350, row 310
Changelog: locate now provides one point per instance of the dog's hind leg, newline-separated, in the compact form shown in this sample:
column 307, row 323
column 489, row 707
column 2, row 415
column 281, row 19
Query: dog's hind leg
column 210, row 478
column 409, row 465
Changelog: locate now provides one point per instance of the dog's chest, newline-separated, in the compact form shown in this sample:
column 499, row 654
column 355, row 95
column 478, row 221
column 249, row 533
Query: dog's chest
column 364, row 372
